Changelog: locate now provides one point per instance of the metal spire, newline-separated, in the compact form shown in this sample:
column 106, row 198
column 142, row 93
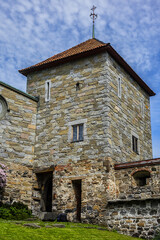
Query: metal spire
column 93, row 16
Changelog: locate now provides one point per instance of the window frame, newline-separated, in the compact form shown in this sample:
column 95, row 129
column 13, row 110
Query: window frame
column 78, row 132
column 135, row 142
column 70, row 130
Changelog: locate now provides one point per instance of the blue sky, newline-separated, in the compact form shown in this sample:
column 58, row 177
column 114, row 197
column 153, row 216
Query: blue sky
column 33, row 30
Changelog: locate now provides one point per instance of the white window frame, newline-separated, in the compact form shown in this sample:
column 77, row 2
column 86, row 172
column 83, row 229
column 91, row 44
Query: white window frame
column 47, row 90
column 119, row 87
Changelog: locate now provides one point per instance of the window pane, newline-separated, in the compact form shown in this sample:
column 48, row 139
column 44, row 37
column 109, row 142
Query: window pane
column 133, row 143
column 47, row 90
column 136, row 145
column 81, row 132
column 74, row 133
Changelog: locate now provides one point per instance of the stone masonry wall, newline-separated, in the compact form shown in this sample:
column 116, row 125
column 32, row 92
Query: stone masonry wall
column 93, row 190
column 134, row 209
column 67, row 105
column 17, row 139
column 135, row 218
column 127, row 187
column 19, row 184
column 129, row 115
column 110, row 120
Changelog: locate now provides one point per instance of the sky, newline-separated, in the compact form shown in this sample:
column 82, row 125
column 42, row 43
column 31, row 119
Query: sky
column 33, row 30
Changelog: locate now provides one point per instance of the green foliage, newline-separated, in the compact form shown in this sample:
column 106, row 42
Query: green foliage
column 16, row 211
column 157, row 237
column 5, row 213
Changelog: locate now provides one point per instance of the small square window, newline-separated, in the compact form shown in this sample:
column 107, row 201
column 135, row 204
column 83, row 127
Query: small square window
column 142, row 177
column 135, row 144
column 77, row 132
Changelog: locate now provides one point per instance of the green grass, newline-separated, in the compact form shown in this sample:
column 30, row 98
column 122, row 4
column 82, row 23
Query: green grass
column 10, row 230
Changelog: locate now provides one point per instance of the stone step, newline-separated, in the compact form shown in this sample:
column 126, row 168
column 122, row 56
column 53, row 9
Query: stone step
column 48, row 216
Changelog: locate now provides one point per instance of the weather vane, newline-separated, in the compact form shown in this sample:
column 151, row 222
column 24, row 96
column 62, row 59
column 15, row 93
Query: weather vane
column 93, row 16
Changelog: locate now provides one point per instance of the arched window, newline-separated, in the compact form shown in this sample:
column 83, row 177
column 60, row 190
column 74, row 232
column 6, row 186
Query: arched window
column 141, row 177
column 3, row 107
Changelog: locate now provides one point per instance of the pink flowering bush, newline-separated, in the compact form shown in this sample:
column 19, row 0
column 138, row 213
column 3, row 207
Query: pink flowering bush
column 2, row 176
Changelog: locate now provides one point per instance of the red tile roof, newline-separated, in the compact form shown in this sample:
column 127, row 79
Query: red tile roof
column 87, row 48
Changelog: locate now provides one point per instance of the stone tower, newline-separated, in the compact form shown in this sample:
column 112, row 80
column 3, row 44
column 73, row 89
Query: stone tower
column 92, row 146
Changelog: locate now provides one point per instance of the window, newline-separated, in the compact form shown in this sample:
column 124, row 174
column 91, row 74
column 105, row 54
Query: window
column 142, row 108
column 3, row 107
column 135, row 144
column 47, row 90
column 77, row 86
column 119, row 87
column 77, row 132
column 142, row 177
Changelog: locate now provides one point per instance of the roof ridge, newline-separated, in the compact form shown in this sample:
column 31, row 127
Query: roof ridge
column 100, row 41
column 76, row 46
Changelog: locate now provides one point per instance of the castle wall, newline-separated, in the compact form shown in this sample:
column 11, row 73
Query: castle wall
column 129, row 115
column 19, row 184
column 134, row 218
column 133, row 206
column 17, row 138
column 127, row 187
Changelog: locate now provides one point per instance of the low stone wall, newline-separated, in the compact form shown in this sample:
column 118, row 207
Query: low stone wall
column 138, row 218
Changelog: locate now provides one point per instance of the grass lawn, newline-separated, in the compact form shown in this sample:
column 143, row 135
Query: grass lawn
column 14, row 230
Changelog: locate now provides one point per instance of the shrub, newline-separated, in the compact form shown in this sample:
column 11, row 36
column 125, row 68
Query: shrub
column 157, row 237
column 5, row 213
column 16, row 211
